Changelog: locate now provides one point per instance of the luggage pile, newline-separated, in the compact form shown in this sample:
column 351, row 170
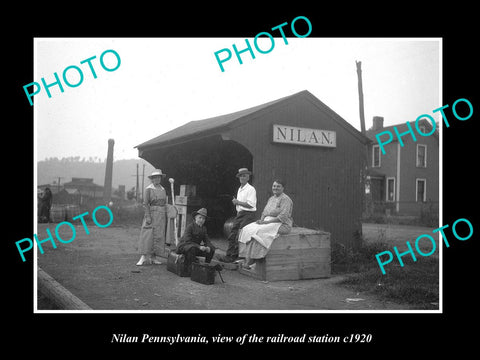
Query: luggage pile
column 202, row 273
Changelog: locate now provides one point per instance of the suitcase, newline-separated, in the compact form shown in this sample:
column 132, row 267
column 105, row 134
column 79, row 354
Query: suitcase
column 205, row 273
column 176, row 264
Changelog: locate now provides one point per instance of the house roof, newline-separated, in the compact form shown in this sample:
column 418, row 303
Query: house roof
column 54, row 188
column 402, row 127
column 72, row 191
column 81, row 183
column 211, row 125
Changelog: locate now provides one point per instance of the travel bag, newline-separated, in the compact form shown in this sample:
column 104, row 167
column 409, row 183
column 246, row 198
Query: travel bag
column 176, row 264
column 205, row 273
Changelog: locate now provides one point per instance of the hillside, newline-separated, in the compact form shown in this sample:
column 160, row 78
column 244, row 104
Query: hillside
column 124, row 171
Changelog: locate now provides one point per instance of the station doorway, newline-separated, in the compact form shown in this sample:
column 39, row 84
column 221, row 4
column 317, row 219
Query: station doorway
column 210, row 164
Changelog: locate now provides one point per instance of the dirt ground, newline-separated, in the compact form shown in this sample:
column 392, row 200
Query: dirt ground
column 99, row 268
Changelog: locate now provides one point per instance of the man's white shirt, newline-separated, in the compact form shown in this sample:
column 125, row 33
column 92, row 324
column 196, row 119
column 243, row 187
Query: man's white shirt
column 247, row 194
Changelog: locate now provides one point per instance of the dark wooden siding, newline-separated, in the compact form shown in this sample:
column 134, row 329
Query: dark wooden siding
column 324, row 183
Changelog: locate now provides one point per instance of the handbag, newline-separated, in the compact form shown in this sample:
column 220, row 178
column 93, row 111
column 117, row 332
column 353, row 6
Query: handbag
column 172, row 211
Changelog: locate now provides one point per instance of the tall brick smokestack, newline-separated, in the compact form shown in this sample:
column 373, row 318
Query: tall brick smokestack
column 107, row 186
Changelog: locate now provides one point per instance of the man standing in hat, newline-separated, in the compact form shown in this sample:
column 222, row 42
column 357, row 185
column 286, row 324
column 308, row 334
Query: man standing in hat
column 246, row 206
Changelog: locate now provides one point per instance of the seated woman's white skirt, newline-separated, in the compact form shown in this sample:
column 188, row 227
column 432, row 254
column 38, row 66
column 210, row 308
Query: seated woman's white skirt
column 255, row 239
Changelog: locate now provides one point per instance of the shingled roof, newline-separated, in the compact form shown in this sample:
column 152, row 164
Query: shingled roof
column 218, row 123
column 401, row 128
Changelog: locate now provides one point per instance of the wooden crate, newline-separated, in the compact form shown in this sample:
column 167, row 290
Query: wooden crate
column 188, row 190
column 301, row 254
column 184, row 217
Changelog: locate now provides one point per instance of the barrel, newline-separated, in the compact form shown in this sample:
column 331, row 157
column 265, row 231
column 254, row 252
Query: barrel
column 57, row 213
column 227, row 227
column 71, row 211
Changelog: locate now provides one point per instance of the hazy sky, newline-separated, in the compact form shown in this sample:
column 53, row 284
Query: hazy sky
column 163, row 83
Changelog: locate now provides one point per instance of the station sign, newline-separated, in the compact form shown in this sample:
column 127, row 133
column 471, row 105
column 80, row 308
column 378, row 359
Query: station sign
column 303, row 136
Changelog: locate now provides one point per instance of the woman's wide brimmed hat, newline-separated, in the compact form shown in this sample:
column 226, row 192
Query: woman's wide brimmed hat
column 243, row 171
column 156, row 172
column 202, row 212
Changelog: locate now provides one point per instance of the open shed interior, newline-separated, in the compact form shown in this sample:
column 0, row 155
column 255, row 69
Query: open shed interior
column 211, row 165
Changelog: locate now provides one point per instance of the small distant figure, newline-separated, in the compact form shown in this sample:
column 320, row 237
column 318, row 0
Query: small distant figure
column 46, row 200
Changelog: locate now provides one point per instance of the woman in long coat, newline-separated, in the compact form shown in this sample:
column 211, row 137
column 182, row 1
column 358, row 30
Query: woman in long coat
column 151, row 244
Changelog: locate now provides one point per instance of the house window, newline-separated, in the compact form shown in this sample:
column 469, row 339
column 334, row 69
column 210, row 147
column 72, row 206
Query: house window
column 421, row 189
column 390, row 189
column 421, row 155
column 376, row 156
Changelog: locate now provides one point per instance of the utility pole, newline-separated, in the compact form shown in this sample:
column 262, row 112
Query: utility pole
column 136, row 187
column 136, row 190
column 362, row 126
column 58, row 183
column 143, row 179
column 360, row 96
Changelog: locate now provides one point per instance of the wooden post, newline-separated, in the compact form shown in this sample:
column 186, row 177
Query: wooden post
column 56, row 293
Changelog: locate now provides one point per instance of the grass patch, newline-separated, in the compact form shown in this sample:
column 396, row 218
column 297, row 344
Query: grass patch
column 415, row 284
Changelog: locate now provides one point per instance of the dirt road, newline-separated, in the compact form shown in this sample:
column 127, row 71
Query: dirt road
column 100, row 269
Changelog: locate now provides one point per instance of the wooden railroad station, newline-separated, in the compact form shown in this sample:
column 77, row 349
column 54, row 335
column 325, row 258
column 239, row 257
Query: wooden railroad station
column 297, row 138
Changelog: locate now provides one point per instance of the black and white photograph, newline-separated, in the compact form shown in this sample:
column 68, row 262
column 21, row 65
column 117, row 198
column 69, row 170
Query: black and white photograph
column 295, row 195
column 276, row 191
column 252, row 189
